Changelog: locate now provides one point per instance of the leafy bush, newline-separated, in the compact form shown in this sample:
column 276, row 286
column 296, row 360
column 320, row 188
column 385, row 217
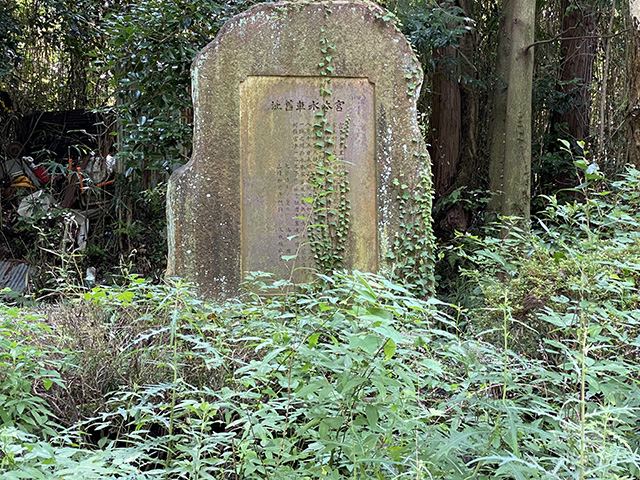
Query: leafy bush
column 355, row 378
column 149, row 50
column 352, row 377
column 582, row 253
column 26, row 370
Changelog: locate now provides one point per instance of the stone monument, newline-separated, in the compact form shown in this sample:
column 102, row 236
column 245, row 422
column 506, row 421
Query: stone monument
column 305, row 141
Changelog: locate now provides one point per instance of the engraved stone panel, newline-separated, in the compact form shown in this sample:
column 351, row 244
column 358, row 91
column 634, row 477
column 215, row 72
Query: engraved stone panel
column 278, row 158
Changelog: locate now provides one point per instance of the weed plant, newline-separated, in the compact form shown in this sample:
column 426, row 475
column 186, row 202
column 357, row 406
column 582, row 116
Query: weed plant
column 352, row 377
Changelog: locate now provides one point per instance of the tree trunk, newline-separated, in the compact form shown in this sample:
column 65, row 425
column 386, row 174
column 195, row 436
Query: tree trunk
column 498, row 120
column 604, row 93
column 454, row 127
column 633, row 116
column 578, row 53
column 472, row 170
column 445, row 124
column 516, row 199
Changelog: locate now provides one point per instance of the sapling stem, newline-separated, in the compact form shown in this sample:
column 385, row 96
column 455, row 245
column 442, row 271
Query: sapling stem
column 583, row 346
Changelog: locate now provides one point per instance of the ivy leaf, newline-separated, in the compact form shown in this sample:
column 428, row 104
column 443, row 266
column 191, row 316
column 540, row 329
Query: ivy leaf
column 125, row 297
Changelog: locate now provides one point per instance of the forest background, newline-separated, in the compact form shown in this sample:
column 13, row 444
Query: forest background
column 524, row 365
column 574, row 82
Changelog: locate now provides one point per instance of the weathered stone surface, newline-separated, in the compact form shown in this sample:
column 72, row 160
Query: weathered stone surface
column 257, row 90
column 278, row 155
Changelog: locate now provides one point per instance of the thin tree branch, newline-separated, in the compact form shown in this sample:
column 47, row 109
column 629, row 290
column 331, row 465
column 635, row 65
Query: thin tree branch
column 555, row 39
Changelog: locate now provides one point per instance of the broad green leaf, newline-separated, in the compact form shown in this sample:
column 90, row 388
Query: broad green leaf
column 126, row 297
column 371, row 412
column 313, row 340
column 389, row 332
column 389, row 349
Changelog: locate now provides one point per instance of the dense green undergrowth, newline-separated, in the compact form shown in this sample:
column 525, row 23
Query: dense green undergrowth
column 535, row 377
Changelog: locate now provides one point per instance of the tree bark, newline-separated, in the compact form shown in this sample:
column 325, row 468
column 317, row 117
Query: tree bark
column 604, row 93
column 516, row 199
column 633, row 115
column 471, row 165
column 578, row 53
column 445, row 122
column 453, row 134
column 498, row 120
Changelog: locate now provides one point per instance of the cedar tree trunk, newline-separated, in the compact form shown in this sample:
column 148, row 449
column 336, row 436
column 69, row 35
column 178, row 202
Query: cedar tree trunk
column 498, row 119
column 445, row 122
column 578, row 53
column 633, row 118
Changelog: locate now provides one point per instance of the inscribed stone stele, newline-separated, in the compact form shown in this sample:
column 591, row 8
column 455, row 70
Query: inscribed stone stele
column 245, row 201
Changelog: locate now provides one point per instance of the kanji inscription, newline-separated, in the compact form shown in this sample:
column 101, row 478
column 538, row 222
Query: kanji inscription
column 278, row 156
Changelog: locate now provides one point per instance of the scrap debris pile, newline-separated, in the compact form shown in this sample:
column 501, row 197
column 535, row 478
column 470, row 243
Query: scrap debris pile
column 49, row 197
column 53, row 187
